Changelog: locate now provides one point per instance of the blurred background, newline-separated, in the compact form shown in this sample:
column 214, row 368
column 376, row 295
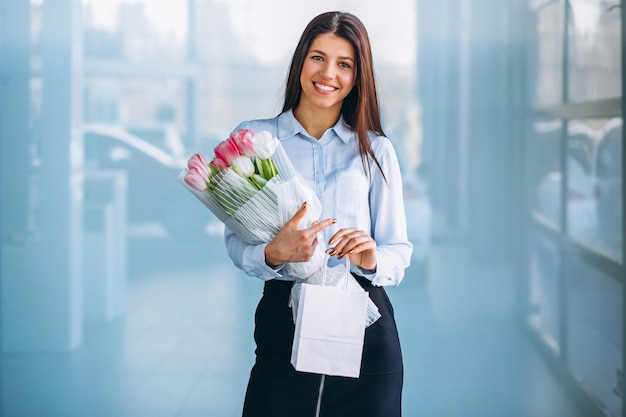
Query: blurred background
column 117, row 296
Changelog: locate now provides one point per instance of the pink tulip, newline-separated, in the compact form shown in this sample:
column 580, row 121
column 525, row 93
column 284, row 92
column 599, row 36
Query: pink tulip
column 227, row 151
column 218, row 163
column 196, row 180
column 243, row 140
column 198, row 162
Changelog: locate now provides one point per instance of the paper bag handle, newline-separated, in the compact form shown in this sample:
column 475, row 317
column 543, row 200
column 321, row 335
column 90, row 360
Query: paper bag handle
column 347, row 273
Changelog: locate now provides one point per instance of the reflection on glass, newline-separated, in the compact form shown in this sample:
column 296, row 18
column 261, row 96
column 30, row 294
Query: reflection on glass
column 581, row 202
column 544, row 169
column 545, row 300
column 549, row 54
column 594, row 328
column 609, row 188
column 594, row 185
column 594, row 39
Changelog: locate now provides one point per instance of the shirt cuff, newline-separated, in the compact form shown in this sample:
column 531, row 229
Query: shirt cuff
column 254, row 263
column 365, row 273
column 385, row 273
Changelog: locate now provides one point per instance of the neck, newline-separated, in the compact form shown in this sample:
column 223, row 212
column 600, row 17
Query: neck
column 316, row 122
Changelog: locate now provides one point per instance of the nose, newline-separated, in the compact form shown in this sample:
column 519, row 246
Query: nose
column 327, row 70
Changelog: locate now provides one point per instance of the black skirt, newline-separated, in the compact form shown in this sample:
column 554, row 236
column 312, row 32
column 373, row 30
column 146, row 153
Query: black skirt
column 276, row 389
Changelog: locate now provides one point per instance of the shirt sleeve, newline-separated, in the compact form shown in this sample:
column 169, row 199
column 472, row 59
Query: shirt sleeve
column 388, row 220
column 249, row 258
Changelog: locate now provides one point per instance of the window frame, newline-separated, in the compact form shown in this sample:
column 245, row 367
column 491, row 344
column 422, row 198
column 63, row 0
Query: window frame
column 567, row 111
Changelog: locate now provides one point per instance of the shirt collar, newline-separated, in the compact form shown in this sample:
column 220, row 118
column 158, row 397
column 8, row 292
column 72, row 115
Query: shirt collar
column 289, row 126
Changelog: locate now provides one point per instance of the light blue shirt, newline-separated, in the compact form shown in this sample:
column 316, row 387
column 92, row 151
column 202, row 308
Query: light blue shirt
column 332, row 167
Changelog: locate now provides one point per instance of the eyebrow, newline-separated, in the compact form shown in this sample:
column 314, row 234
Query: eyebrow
column 317, row 51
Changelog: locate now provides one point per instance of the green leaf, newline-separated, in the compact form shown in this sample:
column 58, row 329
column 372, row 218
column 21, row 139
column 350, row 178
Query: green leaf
column 259, row 181
column 260, row 168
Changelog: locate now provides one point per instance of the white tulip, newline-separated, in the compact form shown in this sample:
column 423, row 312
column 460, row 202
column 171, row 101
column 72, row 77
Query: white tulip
column 264, row 144
column 243, row 165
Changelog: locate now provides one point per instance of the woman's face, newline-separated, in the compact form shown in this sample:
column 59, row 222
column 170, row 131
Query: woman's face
column 328, row 73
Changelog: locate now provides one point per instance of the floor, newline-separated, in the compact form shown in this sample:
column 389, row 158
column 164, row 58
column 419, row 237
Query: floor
column 185, row 347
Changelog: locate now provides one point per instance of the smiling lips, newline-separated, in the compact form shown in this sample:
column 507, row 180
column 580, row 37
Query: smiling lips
column 323, row 87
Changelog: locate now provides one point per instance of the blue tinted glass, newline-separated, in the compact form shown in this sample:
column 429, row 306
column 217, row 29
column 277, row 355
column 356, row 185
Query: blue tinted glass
column 547, row 62
column 594, row 330
column 594, row 39
column 545, row 299
column 594, row 184
column 544, row 170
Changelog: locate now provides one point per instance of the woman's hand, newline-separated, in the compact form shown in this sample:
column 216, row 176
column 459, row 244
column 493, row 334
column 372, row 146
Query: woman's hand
column 293, row 245
column 357, row 245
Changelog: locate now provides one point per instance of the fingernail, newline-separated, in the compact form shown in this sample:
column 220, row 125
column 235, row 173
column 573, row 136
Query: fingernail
column 331, row 241
column 334, row 221
column 329, row 250
column 303, row 204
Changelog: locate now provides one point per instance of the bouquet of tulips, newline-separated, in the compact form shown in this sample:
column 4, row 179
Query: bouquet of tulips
column 252, row 187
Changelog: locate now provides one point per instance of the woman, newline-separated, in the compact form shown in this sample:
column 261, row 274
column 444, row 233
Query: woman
column 330, row 128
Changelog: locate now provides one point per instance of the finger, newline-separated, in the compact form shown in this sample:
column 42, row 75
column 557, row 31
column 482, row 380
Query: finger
column 358, row 251
column 361, row 247
column 319, row 226
column 297, row 217
column 347, row 241
column 341, row 234
column 349, row 245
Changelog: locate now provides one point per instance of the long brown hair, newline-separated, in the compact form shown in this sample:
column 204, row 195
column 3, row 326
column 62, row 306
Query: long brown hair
column 360, row 108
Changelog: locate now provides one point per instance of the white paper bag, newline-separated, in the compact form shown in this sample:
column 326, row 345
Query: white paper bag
column 330, row 328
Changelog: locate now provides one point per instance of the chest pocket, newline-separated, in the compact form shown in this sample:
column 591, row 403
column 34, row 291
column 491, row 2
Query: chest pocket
column 351, row 200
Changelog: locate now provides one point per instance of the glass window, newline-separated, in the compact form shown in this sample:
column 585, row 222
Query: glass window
column 594, row 39
column 594, row 330
column 545, row 300
column 136, row 31
column 544, row 170
column 549, row 55
column 609, row 174
column 594, row 185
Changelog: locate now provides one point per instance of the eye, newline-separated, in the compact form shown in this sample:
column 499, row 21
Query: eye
column 345, row 65
column 317, row 58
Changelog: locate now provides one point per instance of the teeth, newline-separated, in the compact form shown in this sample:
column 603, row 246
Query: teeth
column 324, row 87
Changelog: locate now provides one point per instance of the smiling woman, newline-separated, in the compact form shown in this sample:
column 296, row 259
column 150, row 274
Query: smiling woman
column 331, row 130
column 327, row 77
